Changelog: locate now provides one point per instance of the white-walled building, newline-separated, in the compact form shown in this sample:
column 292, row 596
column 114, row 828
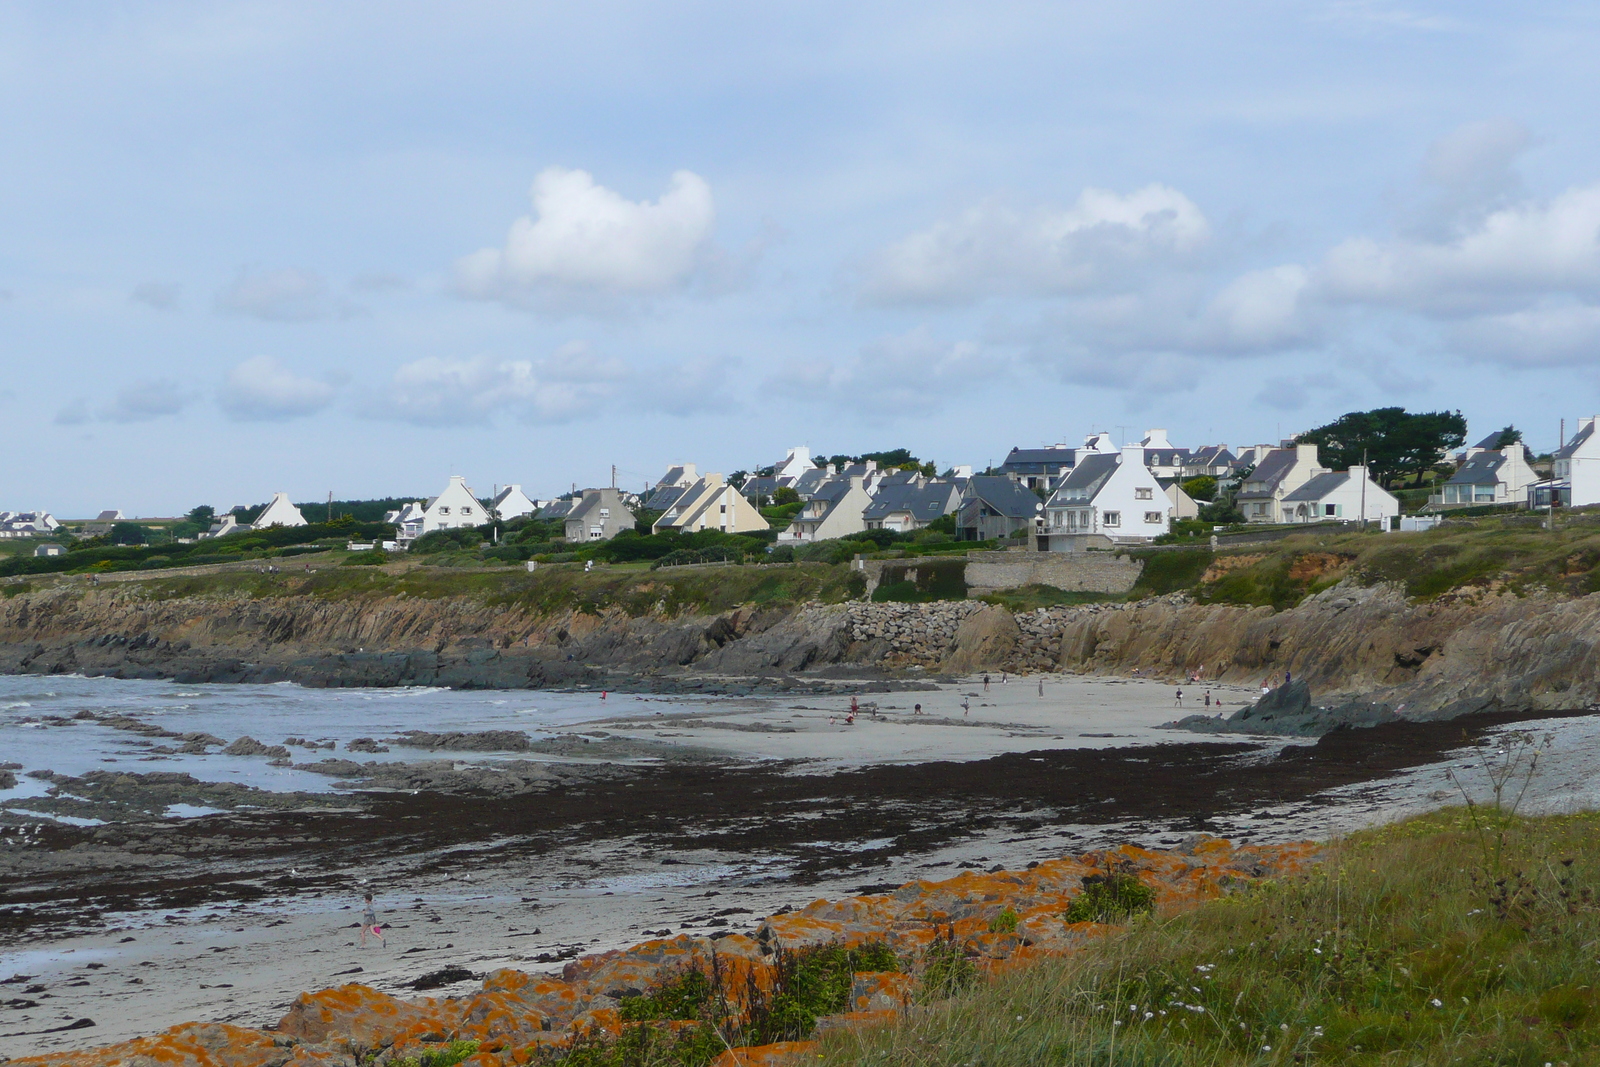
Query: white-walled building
column 1277, row 474
column 455, row 508
column 711, row 504
column 1112, row 494
column 512, row 503
column 279, row 512
column 837, row 509
column 1500, row 476
column 28, row 524
column 1339, row 496
column 1577, row 465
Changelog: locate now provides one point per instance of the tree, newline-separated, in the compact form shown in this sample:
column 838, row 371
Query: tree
column 126, row 533
column 202, row 516
column 1394, row 442
column 1201, row 488
column 785, row 495
column 1508, row 437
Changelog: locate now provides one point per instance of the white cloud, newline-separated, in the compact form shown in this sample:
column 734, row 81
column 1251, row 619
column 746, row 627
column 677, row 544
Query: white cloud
column 143, row 401
column 262, row 389
column 1476, row 153
column 898, row 375
column 73, row 413
column 287, row 295
column 1515, row 254
column 569, row 384
column 1262, row 310
column 688, row 387
column 995, row 250
column 585, row 241
column 159, row 295
column 1544, row 336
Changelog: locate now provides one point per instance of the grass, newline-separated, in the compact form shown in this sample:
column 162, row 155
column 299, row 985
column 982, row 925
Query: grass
column 1392, row 952
column 1030, row 597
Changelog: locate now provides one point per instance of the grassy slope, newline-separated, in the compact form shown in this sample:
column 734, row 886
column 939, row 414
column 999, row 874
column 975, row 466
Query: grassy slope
column 633, row 588
column 1398, row 950
column 1514, row 554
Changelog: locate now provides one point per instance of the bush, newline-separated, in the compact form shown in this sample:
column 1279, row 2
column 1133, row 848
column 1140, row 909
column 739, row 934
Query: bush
column 1169, row 571
column 372, row 558
column 1111, row 898
column 447, row 541
column 785, row 495
column 1201, row 488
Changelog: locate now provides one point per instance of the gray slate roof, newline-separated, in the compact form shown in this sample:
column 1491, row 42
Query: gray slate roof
column 1003, row 495
column 1481, row 469
column 1087, row 477
column 924, row 502
column 1318, row 487
column 1270, row 470
column 1493, row 440
column 1566, row 450
column 1038, row 460
column 665, row 496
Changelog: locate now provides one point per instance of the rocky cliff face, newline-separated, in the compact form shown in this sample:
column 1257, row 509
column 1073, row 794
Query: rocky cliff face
column 1446, row 656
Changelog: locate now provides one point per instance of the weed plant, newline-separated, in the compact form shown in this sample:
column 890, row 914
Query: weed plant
column 1387, row 953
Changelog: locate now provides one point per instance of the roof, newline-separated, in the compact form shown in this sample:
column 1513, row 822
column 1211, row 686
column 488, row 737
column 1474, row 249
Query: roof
column 1492, row 442
column 673, row 476
column 1481, row 469
column 1003, row 495
column 665, row 496
column 1273, row 466
column 1566, row 450
column 556, row 509
column 925, row 502
column 1318, row 487
column 1087, row 477
column 1054, row 457
column 1166, row 457
column 808, row 482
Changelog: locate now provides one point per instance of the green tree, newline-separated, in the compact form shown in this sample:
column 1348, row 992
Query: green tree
column 1395, row 442
column 1201, row 488
column 202, row 516
column 785, row 495
column 126, row 533
column 1508, row 437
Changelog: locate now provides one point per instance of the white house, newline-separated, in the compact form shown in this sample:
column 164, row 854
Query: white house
column 837, row 509
column 512, row 503
column 1277, row 474
column 1339, row 496
column 27, row 523
column 1577, row 465
column 911, row 505
column 279, row 512
column 1161, row 457
column 792, row 466
column 226, row 524
column 710, row 504
column 1110, row 494
column 1490, row 477
column 455, row 508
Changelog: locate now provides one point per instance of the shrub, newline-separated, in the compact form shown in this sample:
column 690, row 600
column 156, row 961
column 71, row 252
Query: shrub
column 1109, row 898
column 1169, row 571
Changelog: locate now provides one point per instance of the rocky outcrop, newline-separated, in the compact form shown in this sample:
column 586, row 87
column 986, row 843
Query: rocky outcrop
column 990, row 919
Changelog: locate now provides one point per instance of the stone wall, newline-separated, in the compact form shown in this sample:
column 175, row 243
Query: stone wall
column 1077, row 572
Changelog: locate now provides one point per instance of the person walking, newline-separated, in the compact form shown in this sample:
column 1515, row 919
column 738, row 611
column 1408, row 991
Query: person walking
column 1177, row 701
column 986, row 683
column 1041, row 685
column 1266, row 686
column 369, row 923
column 966, row 706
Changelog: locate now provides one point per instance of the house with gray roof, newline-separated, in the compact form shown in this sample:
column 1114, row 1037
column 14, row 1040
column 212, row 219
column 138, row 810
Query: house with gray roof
column 1277, row 474
column 993, row 506
column 1339, row 496
column 1039, row 468
column 1502, row 476
column 909, row 505
column 836, row 509
column 1213, row 460
column 1575, row 477
column 512, row 503
column 669, row 490
column 1111, row 495
column 597, row 515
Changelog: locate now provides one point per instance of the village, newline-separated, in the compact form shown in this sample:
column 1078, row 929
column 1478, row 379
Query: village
column 1099, row 495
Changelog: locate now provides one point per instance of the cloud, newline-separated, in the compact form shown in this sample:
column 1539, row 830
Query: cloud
column 1476, row 154
column 159, row 295
column 569, row 384
column 688, row 387
column 1292, row 394
column 143, row 401
column 287, row 295
column 585, row 243
column 995, row 250
column 1259, row 311
column 73, row 413
column 380, row 283
column 262, row 389
column 903, row 374
column 1544, row 336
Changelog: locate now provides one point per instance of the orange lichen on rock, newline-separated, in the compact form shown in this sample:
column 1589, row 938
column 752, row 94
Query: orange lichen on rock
column 999, row 920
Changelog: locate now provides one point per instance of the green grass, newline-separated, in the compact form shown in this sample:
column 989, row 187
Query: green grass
column 1030, row 597
column 1403, row 947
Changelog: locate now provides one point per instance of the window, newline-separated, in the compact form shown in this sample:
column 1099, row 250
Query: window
column 444, row 511
column 1152, row 518
column 466, row 511
column 1141, row 494
column 1330, row 509
column 1112, row 518
column 1483, row 492
column 722, row 508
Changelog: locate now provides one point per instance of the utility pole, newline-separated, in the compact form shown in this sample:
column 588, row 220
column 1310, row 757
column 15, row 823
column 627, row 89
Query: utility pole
column 1364, row 490
column 330, row 505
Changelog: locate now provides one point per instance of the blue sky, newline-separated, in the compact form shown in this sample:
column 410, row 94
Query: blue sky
column 359, row 247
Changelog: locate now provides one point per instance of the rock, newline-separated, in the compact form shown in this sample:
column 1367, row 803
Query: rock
column 985, row 637
column 249, row 746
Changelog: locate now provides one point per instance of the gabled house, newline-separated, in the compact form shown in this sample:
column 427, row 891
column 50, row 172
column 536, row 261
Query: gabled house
column 1161, row 457
column 1277, row 474
column 279, row 512
column 28, row 524
column 811, row 480
column 1490, row 477
column 512, row 503
column 455, row 508
column 1039, row 468
column 795, row 463
column 598, row 515
column 994, row 506
column 102, row 523
column 911, row 505
column 710, row 504
column 1339, row 496
column 1112, row 495
column 836, row 509
column 1213, row 460
column 51, row 549
column 1180, row 505
column 1576, row 472
column 225, row 525
column 556, row 510
column 671, row 486
column 757, row 487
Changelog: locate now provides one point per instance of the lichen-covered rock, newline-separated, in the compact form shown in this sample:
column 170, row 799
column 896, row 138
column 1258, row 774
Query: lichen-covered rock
column 189, row 1045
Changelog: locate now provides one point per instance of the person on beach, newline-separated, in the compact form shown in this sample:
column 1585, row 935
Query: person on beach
column 1208, row 698
column 1177, row 701
column 850, row 719
column 369, row 923
column 986, row 683
column 1041, row 685
column 917, row 709
column 1287, row 677
column 966, row 706
column 1266, row 686
column 853, row 707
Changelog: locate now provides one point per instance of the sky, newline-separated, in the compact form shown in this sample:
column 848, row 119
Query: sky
column 358, row 248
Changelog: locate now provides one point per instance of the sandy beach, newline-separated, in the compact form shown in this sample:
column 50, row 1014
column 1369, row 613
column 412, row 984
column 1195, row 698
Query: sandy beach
column 795, row 804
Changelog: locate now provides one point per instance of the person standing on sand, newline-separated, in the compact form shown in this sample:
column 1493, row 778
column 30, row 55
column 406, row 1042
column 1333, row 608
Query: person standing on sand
column 369, row 922
column 1208, row 698
column 1177, row 701
column 966, row 706
column 1266, row 686
column 1041, row 685
column 986, row 683
column 916, row 709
